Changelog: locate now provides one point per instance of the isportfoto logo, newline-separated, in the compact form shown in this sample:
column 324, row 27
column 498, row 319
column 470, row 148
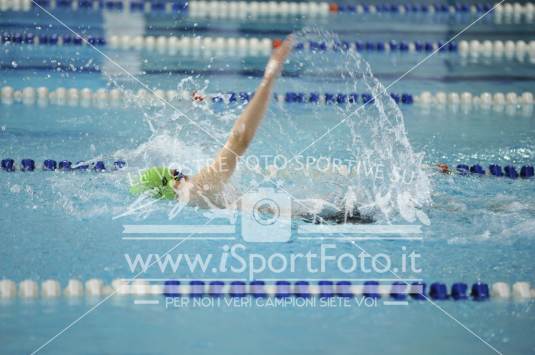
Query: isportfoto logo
column 237, row 259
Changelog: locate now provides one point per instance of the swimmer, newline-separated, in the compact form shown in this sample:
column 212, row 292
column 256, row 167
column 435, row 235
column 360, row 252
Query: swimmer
column 444, row 168
column 204, row 189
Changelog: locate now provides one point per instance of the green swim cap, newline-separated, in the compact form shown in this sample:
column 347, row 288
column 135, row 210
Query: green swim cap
column 158, row 180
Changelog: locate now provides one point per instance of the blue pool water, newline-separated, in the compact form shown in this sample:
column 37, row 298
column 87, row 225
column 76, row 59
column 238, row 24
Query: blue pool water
column 64, row 225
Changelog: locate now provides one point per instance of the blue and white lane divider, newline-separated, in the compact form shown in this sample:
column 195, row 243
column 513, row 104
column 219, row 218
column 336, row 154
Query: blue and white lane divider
column 483, row 100
column 97, row 5
column 506, row 13
column 515, row 13
column 508, row 171
column 28, row 165
column 102, row 98
column 399, row 290
column 241, row 46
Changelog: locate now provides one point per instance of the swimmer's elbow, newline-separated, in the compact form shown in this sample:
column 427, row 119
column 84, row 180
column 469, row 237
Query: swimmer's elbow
column 238, row 142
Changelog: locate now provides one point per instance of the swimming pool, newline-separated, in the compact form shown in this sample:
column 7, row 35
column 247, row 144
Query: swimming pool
column 467, row 104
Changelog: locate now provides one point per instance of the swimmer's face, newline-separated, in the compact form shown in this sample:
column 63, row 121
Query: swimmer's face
column 178, row 176
column 443, row 168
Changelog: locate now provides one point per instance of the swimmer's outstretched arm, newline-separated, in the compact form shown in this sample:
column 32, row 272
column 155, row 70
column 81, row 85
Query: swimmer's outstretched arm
column 245, row 127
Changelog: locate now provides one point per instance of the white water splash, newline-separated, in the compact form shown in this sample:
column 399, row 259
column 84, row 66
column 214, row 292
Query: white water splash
column 187, row 135
column 373, row 135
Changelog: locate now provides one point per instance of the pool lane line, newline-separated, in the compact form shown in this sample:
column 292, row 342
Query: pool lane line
column 485, row 50
column 121, row 98
column 507, row 13
column 9, row 165
column 387, row 289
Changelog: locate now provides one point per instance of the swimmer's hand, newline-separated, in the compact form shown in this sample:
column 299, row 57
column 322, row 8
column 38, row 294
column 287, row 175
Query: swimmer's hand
column 278, row 57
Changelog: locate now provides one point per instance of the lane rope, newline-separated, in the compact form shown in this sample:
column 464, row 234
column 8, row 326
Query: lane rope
column 509, row 171
column 520, row 50
column 504, row 13
column 28, row 165
column 458, row 291
column 103, row 98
